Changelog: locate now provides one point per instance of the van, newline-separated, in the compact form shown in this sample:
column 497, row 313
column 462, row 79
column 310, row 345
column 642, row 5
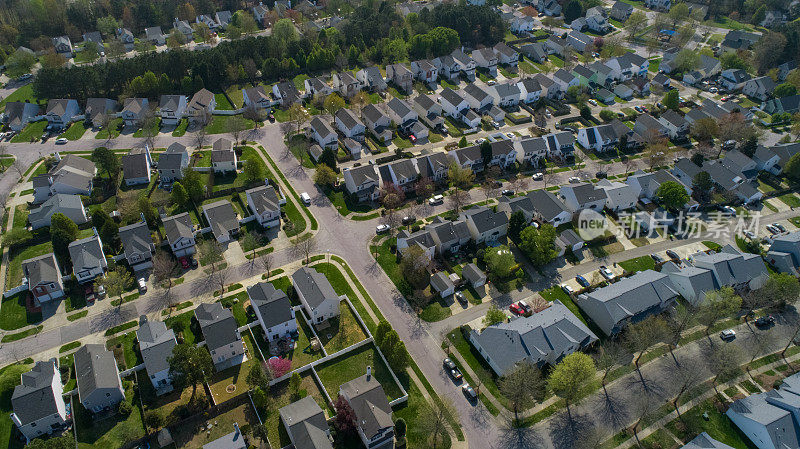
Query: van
column 437, row 199
column 306, row 198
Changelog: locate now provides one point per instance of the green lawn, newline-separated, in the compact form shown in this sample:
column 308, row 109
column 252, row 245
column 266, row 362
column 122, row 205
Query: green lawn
column 654, row 64
column 22, row 94
column 154, row 129
column 181, row 128
column 435, row 311
column 660, row 439
column 114, row 129
column 125, row 348
column 790, row 199
column 343, row 331
column 32, row 131
column 111, row 432
column 75, row 131
column 388, row 262
column 556, row 61
column 718, row 426
column 222, row 102
column 299, row 81
column 354, row 364
column 236, row 96
column 638, row 264
column 341, row 201
column 184, row 325
column 219, row 124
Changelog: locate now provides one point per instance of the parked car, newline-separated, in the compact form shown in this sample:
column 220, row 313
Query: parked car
column 436, row 199
column 510, row 135
column 448, row 364
column 469, row 392
column 567, row 289
column 779, row 226
column 606, row 273
column 592, row 102
column 381, row 228
column 764, row 321
column 728, row 210
column 538, row 176
column 455, row 373
column 773, row 229
column 656, row 258
column 574, row 179
column 142, row 285
column 673, row 255
column 525, row 306
column 306, row 198
column 61, row 141
column 408, row 219
column 749, row 234
column 491, row 83
column 507, row 192
column 516, row 309
column 480, row 141
column 184, row 262
column 727, row 335
column 601, row 175
column 638, row 109
column 461, row 298
column 412, row 138
column 582, row 281
column 620, row 115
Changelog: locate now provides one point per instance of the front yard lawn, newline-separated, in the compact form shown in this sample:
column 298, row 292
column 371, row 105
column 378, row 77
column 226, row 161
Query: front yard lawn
column 153, row 130
column 717, row 425
column 354, row 364
column 113, row 130
column 638, row 264
column 180, row 130
column 32, row 131
column 790, row 199
column 114, row 431
column 75, row 131
column 184, row 325
column 125, row 349
column 219, row 124
column 302, row 354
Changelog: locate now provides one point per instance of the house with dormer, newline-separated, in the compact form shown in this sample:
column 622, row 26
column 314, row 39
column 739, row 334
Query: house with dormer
column 425, row 71
column 371, row 79
column 346, row 84
column 401, row 76
column 363, row 181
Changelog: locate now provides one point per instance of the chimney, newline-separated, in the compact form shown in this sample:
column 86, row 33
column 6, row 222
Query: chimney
column 369, row 372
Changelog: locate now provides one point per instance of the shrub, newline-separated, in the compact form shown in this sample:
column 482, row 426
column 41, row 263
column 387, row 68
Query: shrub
column 125, row 408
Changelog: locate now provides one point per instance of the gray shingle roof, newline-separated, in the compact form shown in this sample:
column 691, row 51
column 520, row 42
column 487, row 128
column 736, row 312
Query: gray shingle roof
column 348, row 118
column 58, row 203
column 136, row 238
column 95, row 368
column 265, row 198
column 306, row 423
column 135, row 166
column 704, row 440
column 368, row 400
column 273, row 304
column 314, row 286
column 449, row 231
column 34, row 398
column 218, row 325
column 222, row 217
column 170, row 102
column 40, row 270
column 451, row 96
column 472, row 273
column 486, row 219
column 155, row 344
column 178, row 226
column 86, row 254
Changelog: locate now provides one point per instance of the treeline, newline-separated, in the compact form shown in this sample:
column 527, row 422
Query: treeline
column 368, row 38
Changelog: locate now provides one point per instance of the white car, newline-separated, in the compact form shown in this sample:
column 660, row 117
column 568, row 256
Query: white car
column 436, row 199
column 142, row 285
column 606, row 273
column 728, row 334
column 538, row 176
column 592, row 102
column 306, row 198
column 567, row 289
column 61, row 141
column 380, row 229
column 491, row 83
column 574, row 179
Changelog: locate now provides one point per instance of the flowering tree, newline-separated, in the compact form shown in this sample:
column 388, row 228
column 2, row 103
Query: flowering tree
column 279, row 366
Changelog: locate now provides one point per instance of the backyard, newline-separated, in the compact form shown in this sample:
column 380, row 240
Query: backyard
column 344, row 331
column 280, row 396
column 354, row 364
column 113, row 431
column 195, row 433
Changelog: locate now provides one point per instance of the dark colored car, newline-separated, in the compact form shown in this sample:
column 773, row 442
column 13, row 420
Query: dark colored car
column 656, row 258
column 601, row 175
column 582, row 280
column 673, row 255
column 184, row 263
column 764, row 321
column 409, row 219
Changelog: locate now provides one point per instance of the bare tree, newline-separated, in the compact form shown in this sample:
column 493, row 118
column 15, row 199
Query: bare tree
column 547, row 176
column 251, row 241
column 210, row 253
column 688, row 376
column 200, row 135
column 236, row 126
column 520, row 183
column 254, row 114
column 609, row 355
column 639, row 337
column 19, row 168
column 488, row 189
column 219, row 278
column 163, row 268
column 678, row 320
column 644, row 406
column 522, row 387
column 267, row 264
column 724, row 362
column 303, row 247
column 433, row 420
column 149, row 126
column 457, row 199
column 3, row 154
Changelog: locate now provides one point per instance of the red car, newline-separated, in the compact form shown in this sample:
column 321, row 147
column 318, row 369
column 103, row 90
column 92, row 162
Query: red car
column 412, row 138
column 184, row 263
column 516, row 309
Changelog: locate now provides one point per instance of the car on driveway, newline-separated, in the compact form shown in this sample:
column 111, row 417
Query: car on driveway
column 592, row 102
column 574, row 179
column 510, row 135
column 491, row 83
column 728, row 210
column 469, row 392
column 606, row 273
column 765, row 321
column 727, row 335
column 61, row 141
column 184, row 262
column 538, row 176
column 516, row 309
column 380, row 229
column 567, row 289
column 638, row 109
column 673, row 255
column 461, row 298
column 620, row 115
column 582, row 281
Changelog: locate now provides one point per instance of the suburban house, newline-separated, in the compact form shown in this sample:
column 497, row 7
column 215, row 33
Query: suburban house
column 306, row 425
column 530, row 90
column 401, row 114
column 506, row 55
column 464, row 64
column 772, row 159
column 401, row 76
column 484, row 224
column 43, row 277
column 473, row 275
column 155, row 35
column 136, row 168
column 155, row 344
column 704, row 441
column 769, row 419
column 518, row 22
column 449, row 236
column 619, row 196
column 647, row 184
column 560, row 145
column 72, row 175
column 535, row 51
column 96, row 110
column 221, row 334
column 88, row 259
column 421, row 239
column 235, row 439
column 256, row 97
column 63, row 46
column 485, row 59
column 790, row 104
column 531, row 150
column 222, row 219
column 453, row 104
column 373, row 414
column 379, row 124
column 138, row 245
column 99, row 385
column 184, row 28
column 620, row 11
column 364, row 182
column 180, row 234
column 579, row 41
column 19, row 114
column 425, row 71
column 134, row 111
column 739, row 40
column 784, row 253
column 760, row 88
column 441, row 284
column 433, row 166
column 733, row 268
column 734, row 79
column 402, row 173
column 505, row 94
column 60, row 203
column 549, row 7
column 38, row 403
column 265, row 203
column 316, row 294
column 223, row 158
column 583, row 196
column 629, row 300
column 207, row 21
column 564, row 80
column 349, row 124
column 543, row 338
column 658, row 5
column 675, row 125
column 273, row 310
column 201, row 106
column 346, row 84
column 173, row 162
column 371, row 79
column 316, row 88
column 172, row 109
column 61, row 112
column 323, row 133
column 539, row 205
